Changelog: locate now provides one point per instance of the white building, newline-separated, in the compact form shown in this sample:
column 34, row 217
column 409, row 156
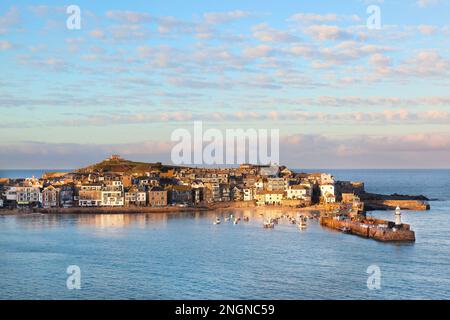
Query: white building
column 327, row 193
column 11, row 194
column 248, row 194
column 112, row 196
column 298, row 192
column 326, row 188
column 322, row 178
column 28, row 195
column 259, row 185
column 269, row 197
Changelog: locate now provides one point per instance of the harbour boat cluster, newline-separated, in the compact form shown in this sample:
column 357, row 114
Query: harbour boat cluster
column 301, row 221
column 229, row 218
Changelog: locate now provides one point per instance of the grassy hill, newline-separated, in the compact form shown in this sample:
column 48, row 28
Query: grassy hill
column 118, row 165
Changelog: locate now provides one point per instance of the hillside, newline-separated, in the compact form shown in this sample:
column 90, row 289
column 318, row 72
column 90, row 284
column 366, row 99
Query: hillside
column 115, row 164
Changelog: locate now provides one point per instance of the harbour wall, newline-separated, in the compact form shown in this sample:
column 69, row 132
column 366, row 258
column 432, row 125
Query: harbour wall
column 372, row 230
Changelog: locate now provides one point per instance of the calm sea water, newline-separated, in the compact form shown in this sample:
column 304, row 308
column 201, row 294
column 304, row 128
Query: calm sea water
column 28, row 173
column 185, row 256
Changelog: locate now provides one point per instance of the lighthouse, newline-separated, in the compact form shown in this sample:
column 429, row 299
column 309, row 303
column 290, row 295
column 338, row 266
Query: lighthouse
column 398, row 216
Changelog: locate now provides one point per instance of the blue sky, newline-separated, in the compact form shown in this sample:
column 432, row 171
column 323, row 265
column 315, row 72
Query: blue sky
column 342, row 95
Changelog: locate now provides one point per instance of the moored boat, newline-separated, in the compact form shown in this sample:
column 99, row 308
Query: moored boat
column 345, row 230
column 268, row 224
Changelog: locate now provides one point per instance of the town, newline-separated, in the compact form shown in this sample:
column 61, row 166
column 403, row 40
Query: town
column 115, row 183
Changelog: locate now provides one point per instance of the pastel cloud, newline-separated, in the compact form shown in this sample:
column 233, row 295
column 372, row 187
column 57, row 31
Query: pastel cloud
column 427, row 3
column 398, row 116
column 5, row 45
column 327, row 32
column 225, row 17
column 367, row 151
column 309, row 18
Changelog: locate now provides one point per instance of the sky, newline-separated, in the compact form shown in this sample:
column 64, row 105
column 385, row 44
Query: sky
column 342, row 95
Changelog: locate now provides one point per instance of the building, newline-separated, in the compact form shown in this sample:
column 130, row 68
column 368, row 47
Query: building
column 259, row 184
column 329, row 198
column 157, row 197
column 327, row 193
column 265, row 197
column 10, row 196
column 112, row 195
column 249, row 181
column 215, row 194
column 237, row 193
column 135, row 197
column 321, row 178
column 207, row 195
column 180, row 194
column 326, row 188
column 90, row 195
column 225, row 193
column 348, row 198
column 248, row 194
column 67, row 196
column 28, row 195
column 50, row 197
column 298, row 192
column 276, row 184
column 197, row 195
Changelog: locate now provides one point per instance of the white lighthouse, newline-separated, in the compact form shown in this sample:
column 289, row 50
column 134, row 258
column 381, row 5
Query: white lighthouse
column 398, row 216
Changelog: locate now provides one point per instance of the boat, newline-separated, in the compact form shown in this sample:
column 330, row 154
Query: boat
column 217, row 221
column 302, row 225
column 227, row 218
column 268, row 224
column 246, row 219
column 236, row 221
column 345, row 230
column 302, row 222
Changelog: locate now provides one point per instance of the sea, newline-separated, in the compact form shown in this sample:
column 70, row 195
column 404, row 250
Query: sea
column 185, row 256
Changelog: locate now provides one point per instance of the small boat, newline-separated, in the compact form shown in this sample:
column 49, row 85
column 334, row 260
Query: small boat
column 217, row 221
column 246, row 219
column 268, row 225
column 236, row 221
column 227, row 218
column 345, row 230
column 302, row 225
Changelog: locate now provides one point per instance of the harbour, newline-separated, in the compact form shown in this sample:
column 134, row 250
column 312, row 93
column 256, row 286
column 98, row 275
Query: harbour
column 170, row 255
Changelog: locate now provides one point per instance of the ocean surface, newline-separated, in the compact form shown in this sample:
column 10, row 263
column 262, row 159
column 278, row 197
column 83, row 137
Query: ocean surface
column 185, row 256
column 28, row 173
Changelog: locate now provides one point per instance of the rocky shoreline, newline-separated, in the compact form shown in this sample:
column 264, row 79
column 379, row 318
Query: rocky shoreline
column 373, row 201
